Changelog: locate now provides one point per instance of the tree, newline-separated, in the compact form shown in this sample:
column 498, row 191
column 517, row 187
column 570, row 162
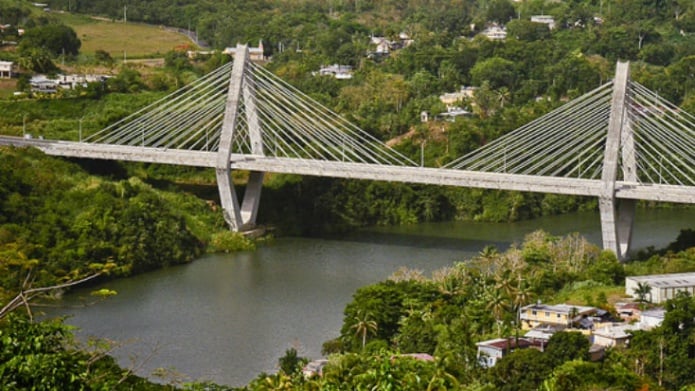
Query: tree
column 36, row 60
column 525, row 30
column 15, row 266
column 58, row 39
column 498, row 305
column 103, row 57
column 500, row 11
column 642, row 290
column 566, row 346
column 499, row 72
column 290, row 363
column 363, row 325
column 523, row 369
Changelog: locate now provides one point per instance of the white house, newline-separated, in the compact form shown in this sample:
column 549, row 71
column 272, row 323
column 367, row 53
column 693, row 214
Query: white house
column 495, row 32
column 663, row 286
column 6, row 69
column 41, row 83
column 615, row 335
column 383, row 45
column 491, row 351
column 545, row 19
column 337, row 71
column 649, row 319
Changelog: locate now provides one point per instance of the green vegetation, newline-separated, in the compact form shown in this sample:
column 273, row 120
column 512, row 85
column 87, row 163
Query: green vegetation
column 55, row 212
column 479, row 299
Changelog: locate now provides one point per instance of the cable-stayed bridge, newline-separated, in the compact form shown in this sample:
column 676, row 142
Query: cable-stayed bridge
column 620, row 143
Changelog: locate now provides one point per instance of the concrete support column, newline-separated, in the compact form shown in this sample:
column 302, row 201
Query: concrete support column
column 239, row 217
column 252, row 198
column 228, row 198
column 617, row 216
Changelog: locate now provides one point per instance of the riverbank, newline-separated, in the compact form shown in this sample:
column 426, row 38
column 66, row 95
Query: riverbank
column 249, row 307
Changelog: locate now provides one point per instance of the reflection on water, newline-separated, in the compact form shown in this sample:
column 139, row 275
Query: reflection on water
column 227, row 318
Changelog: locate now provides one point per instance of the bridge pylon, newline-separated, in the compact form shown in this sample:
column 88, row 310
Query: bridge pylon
column 617, row 215
column 239, row 217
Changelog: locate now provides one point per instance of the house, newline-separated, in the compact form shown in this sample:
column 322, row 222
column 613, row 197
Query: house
column 451, row 99
column 662, row 286
column 544, row 19
column 6, row 69
column 495, row 32
column 314, row 368
column 255, row 53
column 616, row 335
column 541, row 334
column 628, row 311
column 491, row 351
column 337, row 71
column 41, row 83
column 405, row 39
column 561, row 315
column 619, row 334
column 652, row 318
column 452, row 113
column 383, row 45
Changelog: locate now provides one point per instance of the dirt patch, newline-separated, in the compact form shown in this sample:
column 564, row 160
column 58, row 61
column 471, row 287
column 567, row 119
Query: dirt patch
column 7, row 87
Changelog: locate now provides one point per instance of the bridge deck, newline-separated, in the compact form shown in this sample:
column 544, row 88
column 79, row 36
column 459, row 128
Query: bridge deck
column 422, row 175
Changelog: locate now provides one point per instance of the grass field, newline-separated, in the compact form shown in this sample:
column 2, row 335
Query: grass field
column 116, row 38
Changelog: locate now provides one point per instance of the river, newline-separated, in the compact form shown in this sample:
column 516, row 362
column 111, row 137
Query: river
column 226, row 318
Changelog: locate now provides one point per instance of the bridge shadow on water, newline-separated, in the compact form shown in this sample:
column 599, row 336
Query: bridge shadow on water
column 418, row 240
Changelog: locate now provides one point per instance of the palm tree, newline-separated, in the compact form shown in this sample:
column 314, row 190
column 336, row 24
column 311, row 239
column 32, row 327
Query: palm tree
column 642, row 290
column 503, row 96
column 363, row 325
column 497, row 304
column 522, row 295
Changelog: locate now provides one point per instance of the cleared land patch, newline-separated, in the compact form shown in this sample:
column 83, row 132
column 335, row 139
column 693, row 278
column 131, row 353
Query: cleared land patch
column 117, row 38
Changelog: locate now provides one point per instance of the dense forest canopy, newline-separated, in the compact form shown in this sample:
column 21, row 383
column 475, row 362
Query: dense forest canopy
column 518, row 79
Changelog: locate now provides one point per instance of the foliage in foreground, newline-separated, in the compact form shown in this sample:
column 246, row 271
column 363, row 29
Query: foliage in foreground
column 56, row 219
column 43, row 356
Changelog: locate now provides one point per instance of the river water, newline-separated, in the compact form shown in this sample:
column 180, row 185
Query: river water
column 226, row 318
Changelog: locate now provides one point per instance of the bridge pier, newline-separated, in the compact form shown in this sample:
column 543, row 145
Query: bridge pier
column 617, row 216
column 239, row 218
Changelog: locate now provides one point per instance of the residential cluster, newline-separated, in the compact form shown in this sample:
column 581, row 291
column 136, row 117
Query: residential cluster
column 540, row 321
column 49, row 85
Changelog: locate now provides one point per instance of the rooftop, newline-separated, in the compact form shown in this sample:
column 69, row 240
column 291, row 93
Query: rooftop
column 619, row 331
column 666, row 280
column 561, row 308
column 505, row 343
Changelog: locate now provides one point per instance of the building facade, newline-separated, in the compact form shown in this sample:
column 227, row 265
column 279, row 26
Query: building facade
column 561, row 315
column 661, row 286
column 6, row 69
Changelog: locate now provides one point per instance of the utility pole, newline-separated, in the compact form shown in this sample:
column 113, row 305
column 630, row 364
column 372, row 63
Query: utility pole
column 125, row 14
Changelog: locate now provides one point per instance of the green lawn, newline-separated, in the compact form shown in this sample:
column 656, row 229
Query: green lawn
column 136, row 40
